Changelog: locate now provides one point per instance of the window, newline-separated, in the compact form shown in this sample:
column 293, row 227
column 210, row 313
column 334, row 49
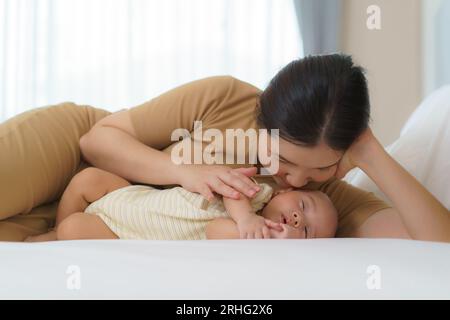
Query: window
column 119, row 53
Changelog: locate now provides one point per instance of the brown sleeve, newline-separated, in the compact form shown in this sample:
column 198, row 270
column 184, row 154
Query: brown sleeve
column 203, row 99
column 354, row 205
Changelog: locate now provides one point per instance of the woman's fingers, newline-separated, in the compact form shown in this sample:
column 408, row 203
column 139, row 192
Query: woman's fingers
column 207, row 193
column 249, row 172
column 344, row 166
column 238, row 184
column 224, row 189
column 245, row 179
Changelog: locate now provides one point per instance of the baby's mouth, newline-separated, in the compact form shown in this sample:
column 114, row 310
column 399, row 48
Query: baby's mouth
column 283, row 219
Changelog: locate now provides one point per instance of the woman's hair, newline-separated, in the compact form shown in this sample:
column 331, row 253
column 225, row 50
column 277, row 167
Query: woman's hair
column 317, row 98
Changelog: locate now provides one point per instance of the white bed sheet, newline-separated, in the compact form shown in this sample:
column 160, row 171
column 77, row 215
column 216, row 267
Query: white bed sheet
column 230, row 269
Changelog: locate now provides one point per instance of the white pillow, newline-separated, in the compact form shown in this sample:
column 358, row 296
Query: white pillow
column 423, row 148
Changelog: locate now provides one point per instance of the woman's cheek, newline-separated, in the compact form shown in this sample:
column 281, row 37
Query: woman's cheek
column 281, row 172
column 324, row 176
column 333, row 172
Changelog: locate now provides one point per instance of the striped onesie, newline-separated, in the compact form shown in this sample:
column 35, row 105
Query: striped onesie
column 144, row 212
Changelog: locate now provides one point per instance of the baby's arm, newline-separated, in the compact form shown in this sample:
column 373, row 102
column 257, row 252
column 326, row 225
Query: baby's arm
column 249, row 224
column 222, row 228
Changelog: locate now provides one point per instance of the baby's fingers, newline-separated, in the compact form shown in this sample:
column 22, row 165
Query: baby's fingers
column 259, row 235
column 273, row 225
column 266, row 232
column 274, row 234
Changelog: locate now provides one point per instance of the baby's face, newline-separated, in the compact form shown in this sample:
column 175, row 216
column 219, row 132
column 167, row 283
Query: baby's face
column 311, row 212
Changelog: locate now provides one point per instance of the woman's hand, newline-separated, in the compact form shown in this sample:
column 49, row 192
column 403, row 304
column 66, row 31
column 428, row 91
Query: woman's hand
column 228, row 182
column 423, row 216
column 253, row 226
column 359, row 152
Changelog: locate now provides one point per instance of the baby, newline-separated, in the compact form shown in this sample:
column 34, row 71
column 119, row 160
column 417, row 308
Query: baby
column 100, row 205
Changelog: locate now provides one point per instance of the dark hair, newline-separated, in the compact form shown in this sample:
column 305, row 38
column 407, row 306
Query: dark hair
column 317, row 98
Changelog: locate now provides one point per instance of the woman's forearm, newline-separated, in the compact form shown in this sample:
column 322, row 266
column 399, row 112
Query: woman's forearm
column 422, row 214
column 118, row 152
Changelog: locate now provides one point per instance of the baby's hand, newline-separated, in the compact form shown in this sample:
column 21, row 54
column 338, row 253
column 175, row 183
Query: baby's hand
column 283, row 231
column 253, row 227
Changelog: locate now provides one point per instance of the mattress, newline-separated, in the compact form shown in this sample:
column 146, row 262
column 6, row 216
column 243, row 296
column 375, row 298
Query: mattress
column 226, row 269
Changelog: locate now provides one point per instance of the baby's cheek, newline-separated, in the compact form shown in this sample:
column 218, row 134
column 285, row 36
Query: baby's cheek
column 267, row 212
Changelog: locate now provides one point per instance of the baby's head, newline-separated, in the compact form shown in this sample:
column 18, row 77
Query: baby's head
column 311, row 212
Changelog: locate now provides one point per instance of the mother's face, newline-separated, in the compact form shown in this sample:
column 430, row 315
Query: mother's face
column 299, row 165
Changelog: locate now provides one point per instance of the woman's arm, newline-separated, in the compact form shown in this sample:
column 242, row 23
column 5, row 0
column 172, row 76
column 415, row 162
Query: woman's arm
column 112, row 145
column 128, row 143
column 424, row 217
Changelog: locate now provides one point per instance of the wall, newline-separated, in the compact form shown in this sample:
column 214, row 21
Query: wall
column 391, row 57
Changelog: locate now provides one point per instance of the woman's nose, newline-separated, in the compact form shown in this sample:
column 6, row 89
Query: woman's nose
column 298, row 180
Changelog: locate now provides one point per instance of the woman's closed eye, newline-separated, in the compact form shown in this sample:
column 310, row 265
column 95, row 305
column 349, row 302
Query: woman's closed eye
column 326, row 169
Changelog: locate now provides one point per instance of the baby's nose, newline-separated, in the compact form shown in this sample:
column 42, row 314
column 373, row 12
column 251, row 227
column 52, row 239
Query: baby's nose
column 296, row 219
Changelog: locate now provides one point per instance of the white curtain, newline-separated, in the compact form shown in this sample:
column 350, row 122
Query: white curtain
column 319, row 22
column 443, row 46
column 115, row 54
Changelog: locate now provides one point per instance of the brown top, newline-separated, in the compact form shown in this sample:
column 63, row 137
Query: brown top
column 224, row 102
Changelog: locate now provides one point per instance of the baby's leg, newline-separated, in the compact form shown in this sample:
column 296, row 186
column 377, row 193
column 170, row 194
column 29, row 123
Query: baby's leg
column 85, row 187
column 82, row 225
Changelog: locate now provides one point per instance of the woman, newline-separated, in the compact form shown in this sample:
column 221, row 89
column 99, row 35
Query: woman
column 320, row 106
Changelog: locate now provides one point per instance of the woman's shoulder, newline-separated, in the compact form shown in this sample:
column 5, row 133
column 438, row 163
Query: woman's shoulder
column 226, row 82
column 217, row 86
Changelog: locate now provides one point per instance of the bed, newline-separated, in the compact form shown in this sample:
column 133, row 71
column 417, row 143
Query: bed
column 226, row 269
column 255, row 269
